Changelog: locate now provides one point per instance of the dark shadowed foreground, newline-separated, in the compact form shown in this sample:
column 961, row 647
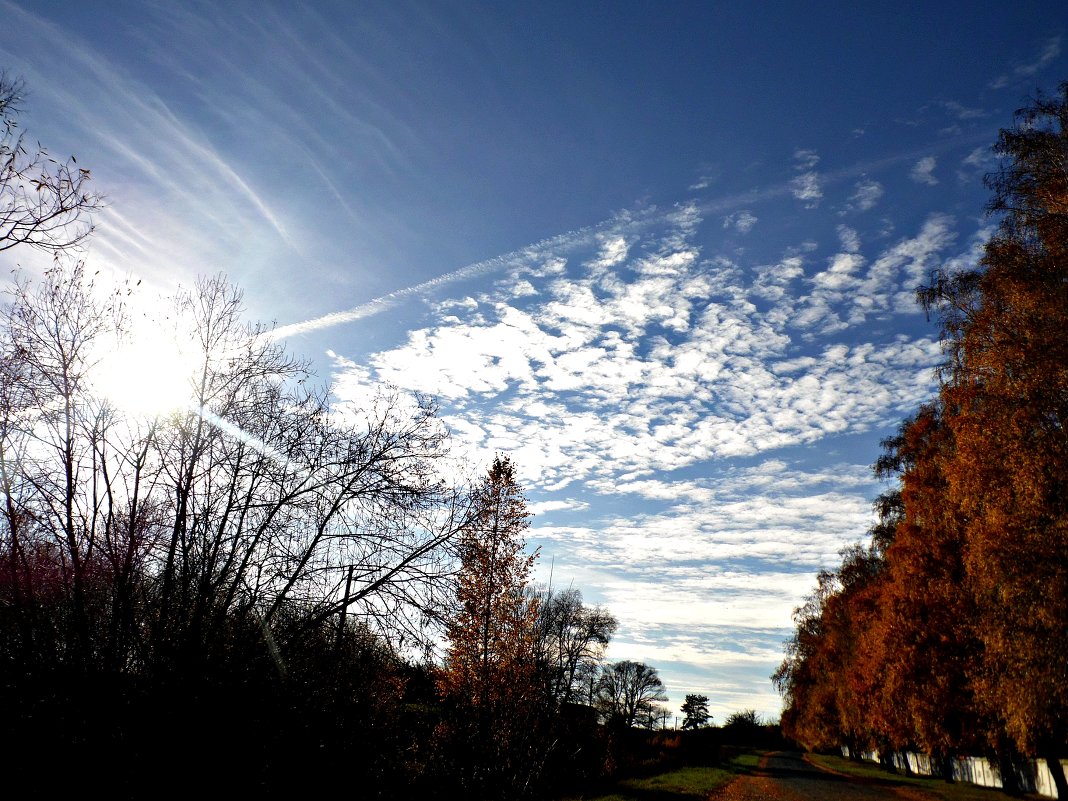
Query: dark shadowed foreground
column 788, row 777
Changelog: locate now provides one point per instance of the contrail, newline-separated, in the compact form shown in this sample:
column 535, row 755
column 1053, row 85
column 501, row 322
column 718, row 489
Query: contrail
column 627, row 221
column 561, row 242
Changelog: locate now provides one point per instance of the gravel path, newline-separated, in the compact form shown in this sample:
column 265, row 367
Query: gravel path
column 788, row 777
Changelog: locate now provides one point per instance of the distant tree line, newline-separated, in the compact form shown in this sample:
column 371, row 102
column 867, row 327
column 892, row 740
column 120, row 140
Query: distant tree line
column 949, row 632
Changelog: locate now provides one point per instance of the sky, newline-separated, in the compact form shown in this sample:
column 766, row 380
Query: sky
column 662, row 255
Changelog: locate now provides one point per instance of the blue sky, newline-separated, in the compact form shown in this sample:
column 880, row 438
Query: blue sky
column 664, row 255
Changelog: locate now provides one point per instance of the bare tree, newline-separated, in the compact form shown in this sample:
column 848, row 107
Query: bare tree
column 53, row 434
column 276, row 501
column 653, row 716
column 572, row 638
column 44, row 203
column 629, row 690
column 254, row 502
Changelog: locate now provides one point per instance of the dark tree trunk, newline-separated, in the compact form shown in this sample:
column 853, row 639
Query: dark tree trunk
column 1056, row 770
column 1008, row 759
column 905, row 763
column 944, row 765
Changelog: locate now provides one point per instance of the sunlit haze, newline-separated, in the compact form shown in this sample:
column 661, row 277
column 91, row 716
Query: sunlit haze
column 148, row 371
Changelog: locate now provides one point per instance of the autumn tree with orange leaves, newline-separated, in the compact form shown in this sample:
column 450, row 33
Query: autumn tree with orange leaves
column 923, row 647
column 962, row 632
column 821, row 679
column 490, row 679
column 1006, row 396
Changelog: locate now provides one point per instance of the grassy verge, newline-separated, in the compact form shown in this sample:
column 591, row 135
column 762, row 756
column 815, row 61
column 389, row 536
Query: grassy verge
column 691, row 782
column 937, row 788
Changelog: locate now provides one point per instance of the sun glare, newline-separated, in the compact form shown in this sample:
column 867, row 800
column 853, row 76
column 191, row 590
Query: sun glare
column 147, row 374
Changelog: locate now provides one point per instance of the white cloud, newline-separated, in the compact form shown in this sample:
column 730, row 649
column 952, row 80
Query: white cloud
column 703, row 182
column 613, row 251
column 909, row 263
column 979, row 158
column 841, row 275
column 634, row 423
column 849, row 238
column 1047, row 55
column 457, row 360
column 522, row 288
column 738, row 600
column 772, row 281
column 742, row 221
column 805, row 159
column 709, row 174
column 710, row 559
column 866, row 194
column 466, row 304
column 962, row 112
column 569, row 504
column 806, row 187
column 922, row 171
column 844, row 294
column 977, row 163
column 667, row 361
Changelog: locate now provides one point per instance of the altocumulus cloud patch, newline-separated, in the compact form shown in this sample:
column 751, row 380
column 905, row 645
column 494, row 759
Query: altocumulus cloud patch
column 608, row 373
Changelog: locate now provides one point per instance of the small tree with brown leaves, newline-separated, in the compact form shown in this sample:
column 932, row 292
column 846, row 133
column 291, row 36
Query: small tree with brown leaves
column 490, row 675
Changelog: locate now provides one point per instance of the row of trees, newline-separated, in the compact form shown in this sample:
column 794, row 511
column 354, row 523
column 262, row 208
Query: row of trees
column 224, row 574
column 215, row 573
column 949, row 633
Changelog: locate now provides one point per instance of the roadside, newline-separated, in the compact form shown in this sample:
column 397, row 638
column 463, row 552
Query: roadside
column 680, row 783
column 930, row 788
column 783, row 776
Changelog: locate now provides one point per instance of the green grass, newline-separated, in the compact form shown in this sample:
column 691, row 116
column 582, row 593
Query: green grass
column 680, row 783
column 689, row 782
column 937, row 788
column 743, row 763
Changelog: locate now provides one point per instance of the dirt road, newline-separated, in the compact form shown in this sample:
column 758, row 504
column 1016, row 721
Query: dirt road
column 788, row 777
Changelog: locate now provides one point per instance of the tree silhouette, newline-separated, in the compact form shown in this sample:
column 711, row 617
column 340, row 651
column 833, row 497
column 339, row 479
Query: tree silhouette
column 695, row 708
column 626, row 690
column 571, row 641
column 43, row 203
column 185, row 563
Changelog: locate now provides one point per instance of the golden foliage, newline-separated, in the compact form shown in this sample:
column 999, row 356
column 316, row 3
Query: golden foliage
column 951, row 633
